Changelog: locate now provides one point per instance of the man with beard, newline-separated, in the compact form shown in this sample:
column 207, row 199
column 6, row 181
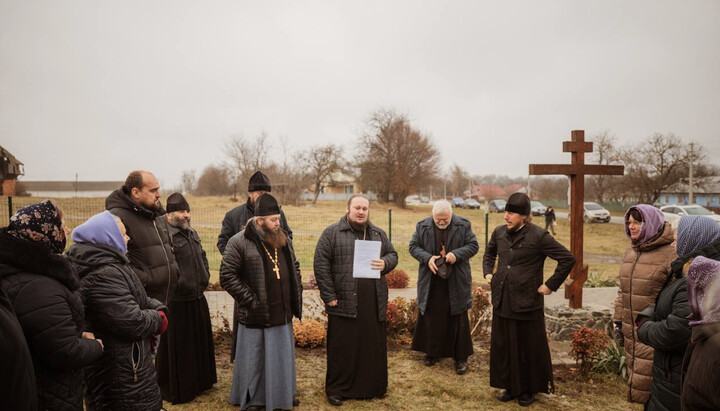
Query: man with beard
column 356, row 307
column 260, row 270
column 444, row 244
column 186, row 355
column 137, row 203
column 519, row 354
column 236, row 218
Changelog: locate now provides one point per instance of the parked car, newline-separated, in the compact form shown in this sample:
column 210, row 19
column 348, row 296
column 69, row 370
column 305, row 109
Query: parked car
column 471, row 204
column 425, row 199
column 537, row 208
column 673, row 212
column 594, row 212
column 496, row 206
column 458, row 202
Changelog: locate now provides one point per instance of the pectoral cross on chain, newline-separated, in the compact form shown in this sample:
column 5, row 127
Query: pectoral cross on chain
column 277, row 271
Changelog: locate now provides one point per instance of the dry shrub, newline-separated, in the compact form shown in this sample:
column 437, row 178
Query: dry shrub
column 588, row 345
column 309, row 334
column 481, row 311
column 400, row 320
column 397, row 279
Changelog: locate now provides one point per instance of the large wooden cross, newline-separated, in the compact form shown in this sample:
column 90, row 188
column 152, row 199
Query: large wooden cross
column 577, row 171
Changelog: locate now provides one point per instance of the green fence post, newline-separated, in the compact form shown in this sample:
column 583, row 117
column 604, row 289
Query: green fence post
column 10, row 212
column 487, row 218
column 390, row 224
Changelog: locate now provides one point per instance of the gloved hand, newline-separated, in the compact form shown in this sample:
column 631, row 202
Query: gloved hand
column 164, row 325
column 645, row 315
column 154, row 340
column 619, row 337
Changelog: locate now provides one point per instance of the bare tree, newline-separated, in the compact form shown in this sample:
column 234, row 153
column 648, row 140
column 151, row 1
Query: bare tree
column 245, row 157
column 321, row 162
column 395, row 158
column 188, row 180
column 604, row 152
column 459, row 179
column 213, row 181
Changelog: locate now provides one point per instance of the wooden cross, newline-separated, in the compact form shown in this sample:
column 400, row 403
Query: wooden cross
column 577, row 171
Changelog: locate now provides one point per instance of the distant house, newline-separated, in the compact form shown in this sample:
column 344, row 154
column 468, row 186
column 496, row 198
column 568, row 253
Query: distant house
column 65, row 189
column 10, row 169
column 338, row 186
column 706, row 193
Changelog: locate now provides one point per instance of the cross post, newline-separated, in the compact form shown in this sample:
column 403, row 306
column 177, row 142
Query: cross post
column 576, row 170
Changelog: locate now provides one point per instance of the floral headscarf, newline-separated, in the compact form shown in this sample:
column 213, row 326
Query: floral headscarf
column 41, row 222
column 703, row 287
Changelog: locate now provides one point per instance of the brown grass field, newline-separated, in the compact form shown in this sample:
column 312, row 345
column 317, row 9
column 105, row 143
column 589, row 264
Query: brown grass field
column 602, row 241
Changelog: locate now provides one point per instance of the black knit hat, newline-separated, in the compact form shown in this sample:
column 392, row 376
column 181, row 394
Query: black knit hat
column 259, row 182
column 266, row 205
column 176, row 202
column 518, row 203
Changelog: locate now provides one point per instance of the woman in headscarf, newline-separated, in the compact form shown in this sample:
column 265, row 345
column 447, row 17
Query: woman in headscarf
column 120, row 312
column 701, row 366
column 665, row 326
column 41, row 285
column 645, row 267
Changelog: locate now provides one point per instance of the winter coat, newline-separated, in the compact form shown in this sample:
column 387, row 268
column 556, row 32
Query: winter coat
column 462, row 243
column 668, row 332
column 236, row 219
column 192, row 263
column 333, row 264
column 644, row 270
column 701, row 369
column 242, row 275
column 520, row 266
column 121, row 314
column 549, row 216
column 17, row 379
column 149, row 250
column 41, row 286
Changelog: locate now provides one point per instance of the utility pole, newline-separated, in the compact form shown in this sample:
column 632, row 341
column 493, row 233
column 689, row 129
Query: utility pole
column 691, row 199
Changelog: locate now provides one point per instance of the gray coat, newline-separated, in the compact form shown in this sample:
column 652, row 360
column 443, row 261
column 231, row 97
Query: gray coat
column 461, row 242
column 334, row 267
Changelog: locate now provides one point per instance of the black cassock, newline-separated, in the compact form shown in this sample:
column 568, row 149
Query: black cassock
column 438, row 333
column 357, row 349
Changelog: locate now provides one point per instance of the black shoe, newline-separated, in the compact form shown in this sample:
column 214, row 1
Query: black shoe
column 334, row 400
column 461, row 367
column 254, row 408
column 505, row 396
column 430, row 361
column 296, row 402
column 526, row 399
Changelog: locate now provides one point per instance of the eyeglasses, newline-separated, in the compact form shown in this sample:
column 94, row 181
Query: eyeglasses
column 634, row 223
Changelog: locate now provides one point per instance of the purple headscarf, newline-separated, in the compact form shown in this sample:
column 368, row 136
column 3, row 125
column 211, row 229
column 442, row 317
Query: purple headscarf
column 41, row 222
column 703, row 287
column 653, row 220
column 100, row 229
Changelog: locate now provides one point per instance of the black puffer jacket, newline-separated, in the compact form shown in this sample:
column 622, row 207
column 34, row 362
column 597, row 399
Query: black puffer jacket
column 17, row 379
column 520, row 266
column 149, row 250
column 236, row 219
column 701, row 369
column 333, row 265
column 41, row 287
column 121, row 314
column 242, row 275
column 668, row 332
column 192, row 262
column 461, row 242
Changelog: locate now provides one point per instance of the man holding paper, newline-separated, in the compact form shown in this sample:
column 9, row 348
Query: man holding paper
column 351, row 259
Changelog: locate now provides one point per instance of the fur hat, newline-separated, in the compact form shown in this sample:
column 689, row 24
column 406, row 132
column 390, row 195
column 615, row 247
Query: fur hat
column 176, row 202
column 259, row 182
column 518, row 203
column 266, row 205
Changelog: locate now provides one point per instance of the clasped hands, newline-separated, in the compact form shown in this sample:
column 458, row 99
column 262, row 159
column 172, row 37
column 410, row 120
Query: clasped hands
column 449, row 258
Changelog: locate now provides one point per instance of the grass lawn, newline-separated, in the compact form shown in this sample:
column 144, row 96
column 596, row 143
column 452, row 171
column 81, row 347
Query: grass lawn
column 308, row 222
column 413, row 386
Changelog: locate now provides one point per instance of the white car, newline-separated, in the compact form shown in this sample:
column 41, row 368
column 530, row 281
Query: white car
column 595, row 212
column 673, row 212
column 537, row 208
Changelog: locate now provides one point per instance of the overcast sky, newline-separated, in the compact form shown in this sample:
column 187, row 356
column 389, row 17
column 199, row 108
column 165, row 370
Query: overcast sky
column 100, row 88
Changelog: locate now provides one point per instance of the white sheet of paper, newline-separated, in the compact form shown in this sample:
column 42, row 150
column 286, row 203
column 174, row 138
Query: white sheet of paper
column 365, row 251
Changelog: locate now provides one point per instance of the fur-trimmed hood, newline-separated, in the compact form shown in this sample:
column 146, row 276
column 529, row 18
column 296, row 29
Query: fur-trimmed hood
column 18, row 255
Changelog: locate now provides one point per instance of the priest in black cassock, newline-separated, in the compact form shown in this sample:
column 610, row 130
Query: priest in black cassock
column 444, row 244
column 260, row 271
column 520, row 361
column 356, row 307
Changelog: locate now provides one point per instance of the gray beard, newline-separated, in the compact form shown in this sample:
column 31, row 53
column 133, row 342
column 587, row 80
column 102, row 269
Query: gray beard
column 184, row 225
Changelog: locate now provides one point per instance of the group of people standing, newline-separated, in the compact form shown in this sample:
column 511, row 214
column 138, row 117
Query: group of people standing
column 666, row 313
column 84, row 326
